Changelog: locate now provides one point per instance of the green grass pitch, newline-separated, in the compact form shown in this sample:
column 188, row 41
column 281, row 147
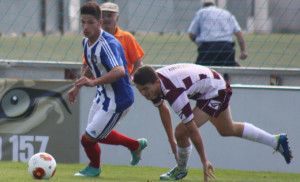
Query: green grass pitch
column 17, row 172
column 265, row 50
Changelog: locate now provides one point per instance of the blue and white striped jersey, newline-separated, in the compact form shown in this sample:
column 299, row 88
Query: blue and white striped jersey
column 105, row 54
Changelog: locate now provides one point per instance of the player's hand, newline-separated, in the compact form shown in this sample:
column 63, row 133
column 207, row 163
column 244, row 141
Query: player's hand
column 84, row 81
column 207, row 169
column 243, row 55
column 72, row 94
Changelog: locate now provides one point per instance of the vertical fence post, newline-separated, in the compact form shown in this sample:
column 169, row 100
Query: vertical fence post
column 43, row 20
column 61, row 12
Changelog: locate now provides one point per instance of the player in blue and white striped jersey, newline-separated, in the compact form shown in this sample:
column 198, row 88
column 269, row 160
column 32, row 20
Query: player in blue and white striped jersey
column 103, row 56
column 106, row 62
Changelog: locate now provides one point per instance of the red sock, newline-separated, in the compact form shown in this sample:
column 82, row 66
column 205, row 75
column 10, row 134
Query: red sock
column 92, row 150
column 116, row 138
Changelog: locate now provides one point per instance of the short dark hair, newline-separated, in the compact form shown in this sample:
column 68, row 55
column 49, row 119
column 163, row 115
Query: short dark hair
column 91, row 8
column 145, row 74
column 207, row 4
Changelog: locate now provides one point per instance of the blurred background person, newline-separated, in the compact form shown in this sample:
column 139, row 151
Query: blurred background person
column 212, row 29
column 133, row 51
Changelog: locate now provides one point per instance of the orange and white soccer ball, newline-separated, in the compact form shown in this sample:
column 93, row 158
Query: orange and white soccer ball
column 42, row 166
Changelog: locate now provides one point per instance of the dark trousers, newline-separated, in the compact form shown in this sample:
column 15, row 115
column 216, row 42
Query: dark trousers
column 216, row 54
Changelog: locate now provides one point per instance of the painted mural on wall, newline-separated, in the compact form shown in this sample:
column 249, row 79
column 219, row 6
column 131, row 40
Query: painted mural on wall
column 35, row 116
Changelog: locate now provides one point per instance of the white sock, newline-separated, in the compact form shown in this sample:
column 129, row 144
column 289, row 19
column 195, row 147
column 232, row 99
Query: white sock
column 183, row 156
column 255, row 134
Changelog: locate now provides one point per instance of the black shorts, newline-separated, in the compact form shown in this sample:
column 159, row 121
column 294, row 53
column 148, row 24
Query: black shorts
column 216, row 54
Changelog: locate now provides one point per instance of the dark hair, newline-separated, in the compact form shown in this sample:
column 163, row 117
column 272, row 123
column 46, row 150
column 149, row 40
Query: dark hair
column 207, row 4
column 145, row 74
column 91, row 8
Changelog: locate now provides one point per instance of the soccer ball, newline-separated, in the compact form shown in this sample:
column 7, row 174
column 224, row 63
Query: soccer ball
column 42, row 166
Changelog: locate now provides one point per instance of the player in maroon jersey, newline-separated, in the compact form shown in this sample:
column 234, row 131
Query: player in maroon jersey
column 177, row 84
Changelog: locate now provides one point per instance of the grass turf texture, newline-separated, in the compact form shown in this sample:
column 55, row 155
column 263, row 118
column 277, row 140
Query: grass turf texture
column 265, row 50
column 17, row 171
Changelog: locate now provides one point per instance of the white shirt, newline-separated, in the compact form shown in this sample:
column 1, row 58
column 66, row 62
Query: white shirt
column 181, row 82
column 212, row 24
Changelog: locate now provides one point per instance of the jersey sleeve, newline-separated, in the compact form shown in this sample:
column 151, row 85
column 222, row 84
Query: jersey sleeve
column 181, row 107
column 111, row 54
column 180, row 103
column 194, row 27
column 176, row 95
column 235, row 24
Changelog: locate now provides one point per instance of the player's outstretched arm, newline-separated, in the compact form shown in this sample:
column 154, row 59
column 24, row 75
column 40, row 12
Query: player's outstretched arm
column 196, row 138
column 85, row 71
column 72, row 93
column 165, row 116
column 112, row 76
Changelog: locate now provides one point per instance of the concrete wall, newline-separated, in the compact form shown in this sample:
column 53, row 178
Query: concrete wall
column 274, row 109
column 61, row 70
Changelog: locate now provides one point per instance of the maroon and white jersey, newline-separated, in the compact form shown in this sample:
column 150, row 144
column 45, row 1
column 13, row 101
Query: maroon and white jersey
column 181, row 82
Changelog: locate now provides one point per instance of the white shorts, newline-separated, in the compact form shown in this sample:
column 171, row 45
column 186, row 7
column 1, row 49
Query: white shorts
column 100, row 122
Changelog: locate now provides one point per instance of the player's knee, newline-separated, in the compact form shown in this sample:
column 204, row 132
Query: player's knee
column 225, row 133
column 85, row 142
column 236, row 129
column 180, row 133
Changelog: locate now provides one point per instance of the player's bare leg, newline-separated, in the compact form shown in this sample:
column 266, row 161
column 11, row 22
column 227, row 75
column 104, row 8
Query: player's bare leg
column 227, row 127
column 184, row 148
column 182, row 138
